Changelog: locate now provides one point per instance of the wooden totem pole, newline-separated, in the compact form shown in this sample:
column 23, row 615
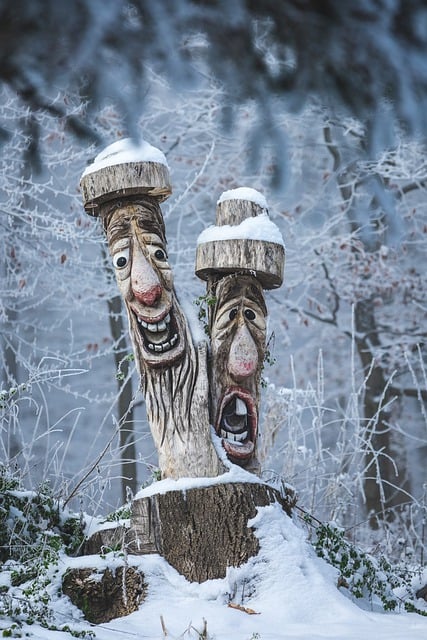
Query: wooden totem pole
column 200, row 530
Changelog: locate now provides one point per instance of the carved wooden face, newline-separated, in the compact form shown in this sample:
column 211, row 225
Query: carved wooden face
column 144, row 277
column 238, row 331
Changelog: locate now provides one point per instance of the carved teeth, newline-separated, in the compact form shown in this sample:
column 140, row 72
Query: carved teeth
column 155, row 327
column 235, row 437
column 164, row 346
column 240, row 409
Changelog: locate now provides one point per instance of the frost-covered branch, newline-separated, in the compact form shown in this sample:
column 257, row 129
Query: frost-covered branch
column 368, row 60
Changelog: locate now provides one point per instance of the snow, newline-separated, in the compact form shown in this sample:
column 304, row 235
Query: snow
column 258, row 227
column 244, row 193
column 284, row 593
column 255, row 228
column 234, row 474
column 123, row 151
column 97, row 523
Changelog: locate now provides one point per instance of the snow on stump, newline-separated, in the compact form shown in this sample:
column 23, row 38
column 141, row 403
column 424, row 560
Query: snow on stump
column 103, row 596
column 244, row 240
column 124, row 169
column 201, row 531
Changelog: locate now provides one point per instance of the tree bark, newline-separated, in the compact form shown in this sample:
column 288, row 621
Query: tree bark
column 199, row 531
column 381, row 480
column 128, row 178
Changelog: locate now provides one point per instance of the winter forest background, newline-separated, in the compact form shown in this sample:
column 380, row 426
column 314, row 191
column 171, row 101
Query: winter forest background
column 322, row 110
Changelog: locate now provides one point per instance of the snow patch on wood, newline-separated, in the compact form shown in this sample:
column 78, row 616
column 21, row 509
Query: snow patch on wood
column 256, row 228
column 124, row 151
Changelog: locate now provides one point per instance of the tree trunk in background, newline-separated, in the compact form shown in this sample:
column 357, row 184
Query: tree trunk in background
column 125, row 410
column 384, row 475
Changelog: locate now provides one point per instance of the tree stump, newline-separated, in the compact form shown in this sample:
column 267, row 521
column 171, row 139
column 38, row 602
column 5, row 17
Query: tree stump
column 106, row 595
column 201, row 531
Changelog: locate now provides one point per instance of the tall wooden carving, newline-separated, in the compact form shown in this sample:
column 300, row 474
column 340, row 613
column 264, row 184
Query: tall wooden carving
column 240, row 257
column 124, row 187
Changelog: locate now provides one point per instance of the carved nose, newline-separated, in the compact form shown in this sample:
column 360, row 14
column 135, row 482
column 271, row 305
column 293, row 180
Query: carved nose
column 150, row 296
column 145, row 282
column 243, row 356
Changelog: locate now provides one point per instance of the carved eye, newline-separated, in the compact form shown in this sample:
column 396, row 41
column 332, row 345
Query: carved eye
column 159, row 254
column 232, row 314
column 121, row 259
column 250, row 314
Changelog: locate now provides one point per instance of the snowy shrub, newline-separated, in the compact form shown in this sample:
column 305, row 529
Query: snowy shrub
column 362, row 574
column 34, row 532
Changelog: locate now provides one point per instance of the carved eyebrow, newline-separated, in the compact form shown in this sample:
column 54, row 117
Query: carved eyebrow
column 119, row 244
column 118, row 229
column 235, row 293
column 256, row 299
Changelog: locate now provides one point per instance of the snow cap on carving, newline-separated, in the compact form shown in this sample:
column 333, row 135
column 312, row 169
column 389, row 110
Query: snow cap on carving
column 244, row 240
column 125, row 168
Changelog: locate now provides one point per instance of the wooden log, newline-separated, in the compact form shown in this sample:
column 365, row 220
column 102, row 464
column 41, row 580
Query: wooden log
column 105, row 595
column 238, row 252
column 234, row 211
column 265, row 260
column 129, row 178
column 201, row 531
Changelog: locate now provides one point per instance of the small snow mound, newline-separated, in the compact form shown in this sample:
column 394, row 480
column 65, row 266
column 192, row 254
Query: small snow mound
column 244, row 193
column 256, row 228
column 123, row 151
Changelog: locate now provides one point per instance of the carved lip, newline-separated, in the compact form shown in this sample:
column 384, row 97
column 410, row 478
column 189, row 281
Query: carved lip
column 151, row 319
column 237, row 424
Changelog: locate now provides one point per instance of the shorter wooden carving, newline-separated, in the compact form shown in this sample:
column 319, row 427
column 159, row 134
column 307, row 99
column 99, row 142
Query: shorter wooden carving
column 240, row 257
column 238, row 336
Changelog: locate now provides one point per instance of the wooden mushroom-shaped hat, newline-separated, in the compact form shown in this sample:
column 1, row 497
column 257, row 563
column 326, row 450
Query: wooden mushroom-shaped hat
column 123, row 169
column 244, row 240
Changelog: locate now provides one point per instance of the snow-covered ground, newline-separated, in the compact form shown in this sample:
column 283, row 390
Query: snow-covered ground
column 286, row 592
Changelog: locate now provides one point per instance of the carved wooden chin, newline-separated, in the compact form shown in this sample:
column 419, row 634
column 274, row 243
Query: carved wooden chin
column 238, row 332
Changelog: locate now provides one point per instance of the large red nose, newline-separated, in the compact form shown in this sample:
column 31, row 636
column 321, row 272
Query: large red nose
column 243, row 355
column 150, row 296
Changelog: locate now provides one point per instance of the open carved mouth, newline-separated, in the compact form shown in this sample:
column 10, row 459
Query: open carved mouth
column 160, row 336
column 237, row 424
